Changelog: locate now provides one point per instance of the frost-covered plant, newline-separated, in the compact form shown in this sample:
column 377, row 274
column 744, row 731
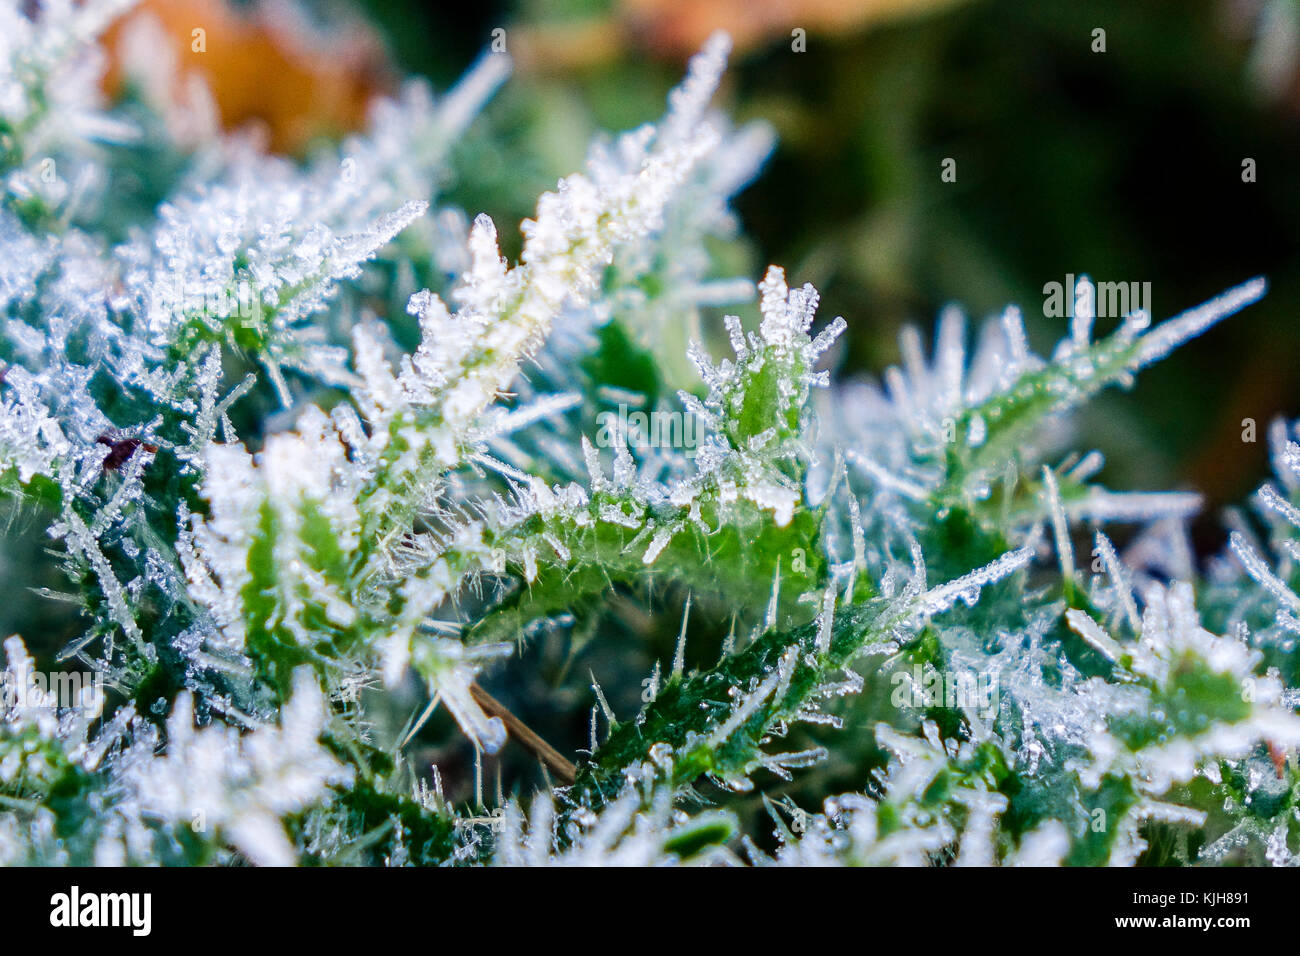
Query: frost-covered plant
column 311, row 452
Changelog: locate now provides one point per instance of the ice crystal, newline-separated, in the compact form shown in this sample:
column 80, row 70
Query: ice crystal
column 239, row 785
column 313, row 454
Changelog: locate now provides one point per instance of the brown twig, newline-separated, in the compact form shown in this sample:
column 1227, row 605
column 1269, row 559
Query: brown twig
column 563, row 769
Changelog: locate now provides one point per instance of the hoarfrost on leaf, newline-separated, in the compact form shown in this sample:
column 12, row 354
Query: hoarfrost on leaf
column 292, row 540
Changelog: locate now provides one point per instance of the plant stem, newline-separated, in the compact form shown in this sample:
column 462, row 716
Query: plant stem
column 556, row 762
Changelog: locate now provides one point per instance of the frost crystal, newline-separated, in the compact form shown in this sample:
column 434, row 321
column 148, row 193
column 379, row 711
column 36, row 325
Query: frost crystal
column 240, row 786
column 318, row 463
